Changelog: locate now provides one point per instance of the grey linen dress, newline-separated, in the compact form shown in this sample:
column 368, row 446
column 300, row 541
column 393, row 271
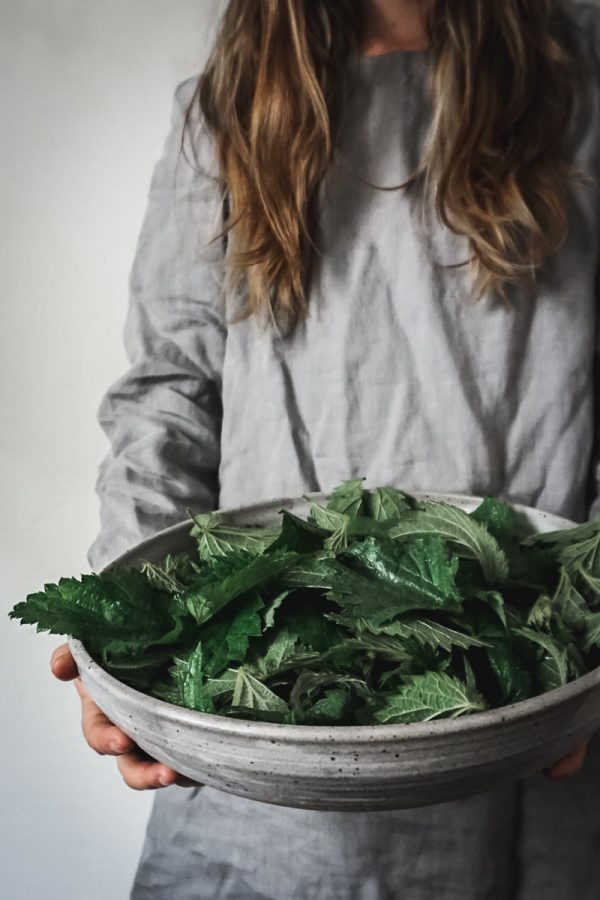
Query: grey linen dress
column 398, row 376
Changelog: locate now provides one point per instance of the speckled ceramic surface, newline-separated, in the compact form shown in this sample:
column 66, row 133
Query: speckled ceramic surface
column 347, row 767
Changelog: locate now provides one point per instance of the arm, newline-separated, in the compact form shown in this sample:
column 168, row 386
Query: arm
column 163, row 416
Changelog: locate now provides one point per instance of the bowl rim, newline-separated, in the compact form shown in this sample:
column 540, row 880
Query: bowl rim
column 255, row 508
column 230, row 725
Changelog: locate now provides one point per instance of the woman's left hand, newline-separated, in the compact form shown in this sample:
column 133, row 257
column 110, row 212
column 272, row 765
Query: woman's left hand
column 568, row 765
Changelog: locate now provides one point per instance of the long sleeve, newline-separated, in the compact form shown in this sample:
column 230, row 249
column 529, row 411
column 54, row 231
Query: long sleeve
column 590, row 21
column 593, row 486
column 163, row 416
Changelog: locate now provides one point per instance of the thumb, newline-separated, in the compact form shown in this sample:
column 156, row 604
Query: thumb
column 62, row 664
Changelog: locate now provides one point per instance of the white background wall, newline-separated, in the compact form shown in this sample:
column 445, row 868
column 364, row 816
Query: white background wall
column 85, row 98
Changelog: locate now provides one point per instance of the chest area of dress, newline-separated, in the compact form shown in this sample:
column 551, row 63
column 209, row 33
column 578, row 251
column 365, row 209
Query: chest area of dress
column 404, row 371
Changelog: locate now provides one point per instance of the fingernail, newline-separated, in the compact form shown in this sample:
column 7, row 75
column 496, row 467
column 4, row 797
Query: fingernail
column 164, row 779
column 116, row 747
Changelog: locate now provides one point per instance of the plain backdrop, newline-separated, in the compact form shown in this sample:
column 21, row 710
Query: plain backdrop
column 85, row 99
column 85, row 92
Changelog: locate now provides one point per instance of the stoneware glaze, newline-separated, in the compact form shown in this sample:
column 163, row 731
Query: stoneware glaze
column 346, row 767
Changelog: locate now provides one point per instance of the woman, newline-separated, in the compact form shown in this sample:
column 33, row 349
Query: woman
column 436, row 333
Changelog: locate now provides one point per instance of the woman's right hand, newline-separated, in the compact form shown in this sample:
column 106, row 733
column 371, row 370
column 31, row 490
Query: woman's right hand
column 139, row 771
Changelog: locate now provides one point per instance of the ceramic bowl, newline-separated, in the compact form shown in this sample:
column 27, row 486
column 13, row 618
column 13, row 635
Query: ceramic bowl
column 347, row 767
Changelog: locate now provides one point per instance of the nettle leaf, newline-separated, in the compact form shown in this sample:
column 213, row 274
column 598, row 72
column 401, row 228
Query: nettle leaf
column 343, row 528
column 512, row 673
column 582, row 556
column 388, row 647
column 426, row 631
column 337, row 523
column 279, row 651
column 541, row 612
column 592, row 631
column 455, row 526
column 348, row 658
column 347, row 586
column 328, row 519
column 336, row 707
column 313, row 628
column 565, row 536
column 212, row 595
column 393, row 579
column 388, row 504
column 415, row 655
column 590, row 585
column 552, row 670
column 217, row 537
column 188, row 682
column 429, row 696
column 569, row 604
column 138, row 669
column 174, row 574
column 312, row 570
column 271, row 607
column 246, row 623
column 581, row 562
column 349, row 498
column 495, row 601
column 355, row 624
column 509, row 679
column 226, row 639
column 309, row 683
column 469, row 674
column 362, row 526
column 565, row 637
column 497, row 517
column 115, row 605
column 214, row 646
column 422, row 630
column 423, row 659
column 576, row 665
column 298, row 535
column 242, row 689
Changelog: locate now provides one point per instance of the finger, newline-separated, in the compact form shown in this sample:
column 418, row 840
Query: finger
column 141, row 773
column 62, row 663
column 106, row 738
column 99, row 732
column 183, row 781
column 568, row 765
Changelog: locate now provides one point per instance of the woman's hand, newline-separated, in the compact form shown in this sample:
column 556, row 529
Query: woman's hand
column 139, row 771
column 568, row 765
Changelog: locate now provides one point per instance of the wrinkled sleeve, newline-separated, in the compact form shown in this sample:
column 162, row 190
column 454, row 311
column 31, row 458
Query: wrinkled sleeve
column 593, row 486
column 590, row 16
column 163, row 416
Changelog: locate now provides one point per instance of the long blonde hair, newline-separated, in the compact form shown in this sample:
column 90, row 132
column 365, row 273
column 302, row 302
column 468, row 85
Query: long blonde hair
column 272, row 94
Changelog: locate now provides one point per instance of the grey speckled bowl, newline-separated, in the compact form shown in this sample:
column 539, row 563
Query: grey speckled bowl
column 347, row 767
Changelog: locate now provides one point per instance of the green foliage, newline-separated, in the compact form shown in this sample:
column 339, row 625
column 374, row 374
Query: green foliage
column 430, row 696
column 349, row 498
column 464, row 533
column 216, row 537
column 377, row 608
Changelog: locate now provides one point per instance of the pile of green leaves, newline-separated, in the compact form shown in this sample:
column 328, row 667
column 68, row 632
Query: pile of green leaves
column 378, row 608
